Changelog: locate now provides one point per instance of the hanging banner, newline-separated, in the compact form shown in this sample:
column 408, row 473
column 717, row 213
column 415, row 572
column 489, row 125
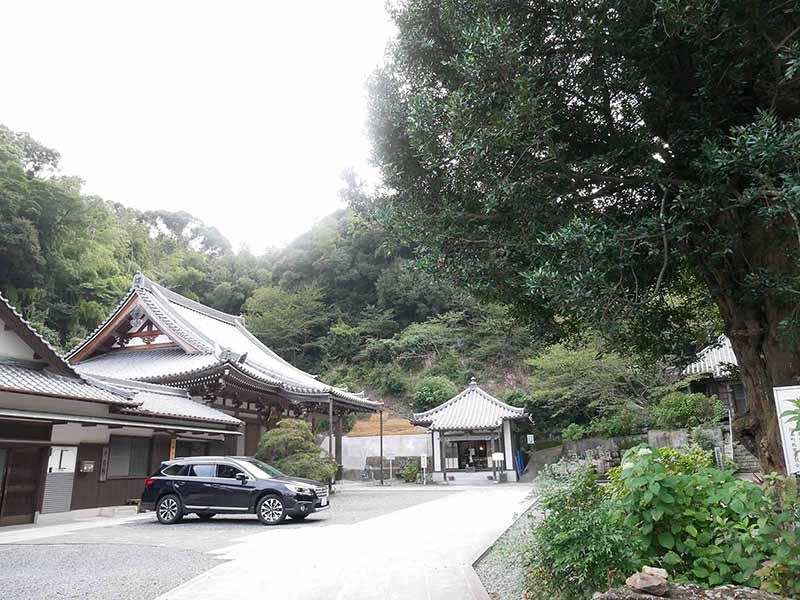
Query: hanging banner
column 790, row 433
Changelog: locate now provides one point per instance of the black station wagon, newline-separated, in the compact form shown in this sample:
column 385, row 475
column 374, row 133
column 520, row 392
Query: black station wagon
column 210, row 485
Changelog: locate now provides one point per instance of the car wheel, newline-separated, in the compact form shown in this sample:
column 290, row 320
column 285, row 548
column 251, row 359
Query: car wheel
column 205, row 516
column 168, row 509
column 270, row 510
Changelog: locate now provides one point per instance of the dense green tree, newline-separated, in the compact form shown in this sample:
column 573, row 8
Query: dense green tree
column 290, row 322
column 608, row 165
column 585, row 383
column 431, row 391
column 290, row 448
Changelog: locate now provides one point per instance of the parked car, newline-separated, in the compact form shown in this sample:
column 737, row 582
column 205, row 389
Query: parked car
column 211, row 485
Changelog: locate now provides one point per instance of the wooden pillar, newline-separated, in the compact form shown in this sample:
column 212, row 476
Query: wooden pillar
column 380, row 413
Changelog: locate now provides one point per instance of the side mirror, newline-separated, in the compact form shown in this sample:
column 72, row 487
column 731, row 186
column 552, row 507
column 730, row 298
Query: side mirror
column 242, row 477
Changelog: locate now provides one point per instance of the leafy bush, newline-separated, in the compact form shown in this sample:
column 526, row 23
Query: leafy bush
column 622, row 423
column 290, row 448
column 574, row 432
column 410, row 472
column 706, row 526
column 431, row 391
column 581, row 543
column 680, row 409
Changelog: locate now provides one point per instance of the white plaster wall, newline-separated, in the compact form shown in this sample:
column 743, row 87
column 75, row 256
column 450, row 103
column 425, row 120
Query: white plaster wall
column 509, row 450
column 53, row 405
column 74, row 434
column 355, row 450
column 12, row 346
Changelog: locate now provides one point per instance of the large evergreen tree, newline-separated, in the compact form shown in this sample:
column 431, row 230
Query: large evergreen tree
column 607, row 164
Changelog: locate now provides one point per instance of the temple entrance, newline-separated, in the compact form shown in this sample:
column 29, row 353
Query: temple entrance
column 20, row 471
column 473, row 454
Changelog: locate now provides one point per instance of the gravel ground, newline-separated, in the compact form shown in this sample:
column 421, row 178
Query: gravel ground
column 501, row 570
column 142, row 559
column 82, row 571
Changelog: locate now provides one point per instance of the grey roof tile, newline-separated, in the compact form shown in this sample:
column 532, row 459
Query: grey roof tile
column 472, row 409
column 215, row 338
column 32, row 380
column 715, row 360
column 164, row 401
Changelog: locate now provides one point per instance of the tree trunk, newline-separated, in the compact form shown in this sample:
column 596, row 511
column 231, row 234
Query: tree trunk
column 753, row 324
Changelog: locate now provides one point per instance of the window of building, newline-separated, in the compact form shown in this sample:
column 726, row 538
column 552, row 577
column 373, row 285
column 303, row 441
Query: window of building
column 202, row 471
column 128, row 456
column 227, row 471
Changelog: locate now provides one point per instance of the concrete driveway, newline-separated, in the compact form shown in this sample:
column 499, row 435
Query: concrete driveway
column 395, row 542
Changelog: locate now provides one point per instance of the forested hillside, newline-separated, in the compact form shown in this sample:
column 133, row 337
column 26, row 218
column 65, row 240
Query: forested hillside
column 340, row 300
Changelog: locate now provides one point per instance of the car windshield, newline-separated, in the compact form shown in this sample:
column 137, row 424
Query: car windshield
column 268, row 470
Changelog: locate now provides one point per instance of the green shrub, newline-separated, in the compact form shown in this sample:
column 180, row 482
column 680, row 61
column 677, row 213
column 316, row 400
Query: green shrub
column 680, row 409
column 573, row 432
column 697, row 525
column 410, row 472
column 290, row 448
column 676, row 461
column 622, row 423
column 431, row 391
column 581, row 543
column 778, row 533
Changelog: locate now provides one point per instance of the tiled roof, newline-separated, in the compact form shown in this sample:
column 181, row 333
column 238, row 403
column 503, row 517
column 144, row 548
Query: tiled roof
column 31, row 379
column 34, row 338
column 212, row 337
column 146, row 365
column 163, row 401
column 715, row 360
column 472, row 409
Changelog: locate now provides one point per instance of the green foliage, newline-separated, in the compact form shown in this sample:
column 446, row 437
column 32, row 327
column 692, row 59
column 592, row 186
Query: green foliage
column 290, row 448
column 431, row 391
column 288, row 322
column 588, row 384
column 581, row 543
column 703, row 525
column 680, row 409
column 574, row 432
column 410, row 472
column 600, row 167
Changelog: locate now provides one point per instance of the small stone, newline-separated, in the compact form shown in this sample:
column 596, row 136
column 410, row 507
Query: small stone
column 648, row 584
column 655, row 571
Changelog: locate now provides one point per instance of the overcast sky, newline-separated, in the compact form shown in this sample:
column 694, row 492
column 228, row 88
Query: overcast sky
column 243, row 113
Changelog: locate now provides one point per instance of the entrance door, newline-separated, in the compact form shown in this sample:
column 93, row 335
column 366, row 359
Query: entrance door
column 19, row 484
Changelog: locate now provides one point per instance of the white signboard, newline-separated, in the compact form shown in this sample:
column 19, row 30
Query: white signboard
column 790, row 434
column 423, row 461
column 531, row 440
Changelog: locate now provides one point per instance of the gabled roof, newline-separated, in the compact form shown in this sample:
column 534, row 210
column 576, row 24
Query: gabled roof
column 35, row 341
column 206, row 338
column 472, row 409
column 49, row 374
column 715, row 360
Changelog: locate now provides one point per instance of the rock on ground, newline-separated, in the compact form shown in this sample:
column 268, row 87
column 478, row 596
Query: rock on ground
column 690, row 592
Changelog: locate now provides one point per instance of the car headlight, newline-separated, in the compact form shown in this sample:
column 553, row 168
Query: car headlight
column 300, row 489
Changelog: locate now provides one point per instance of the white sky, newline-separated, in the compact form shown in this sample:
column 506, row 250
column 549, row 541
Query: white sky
column 243, row 113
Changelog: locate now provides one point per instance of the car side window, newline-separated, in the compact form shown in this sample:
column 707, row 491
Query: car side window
column 201, row 471
column 172, row 470
column 227, row 471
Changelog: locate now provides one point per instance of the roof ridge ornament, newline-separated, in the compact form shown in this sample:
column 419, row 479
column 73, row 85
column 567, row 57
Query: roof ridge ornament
column 473, row 383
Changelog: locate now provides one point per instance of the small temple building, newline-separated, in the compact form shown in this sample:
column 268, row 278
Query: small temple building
column 473, row 436
column 159, row 337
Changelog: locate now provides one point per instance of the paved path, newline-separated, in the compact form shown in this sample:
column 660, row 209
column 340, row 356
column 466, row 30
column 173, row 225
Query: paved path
column 421, row 552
